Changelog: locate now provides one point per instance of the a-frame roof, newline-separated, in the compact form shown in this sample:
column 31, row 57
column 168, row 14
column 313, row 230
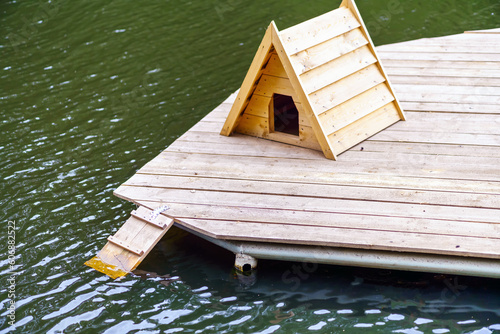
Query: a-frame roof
column 336, row 75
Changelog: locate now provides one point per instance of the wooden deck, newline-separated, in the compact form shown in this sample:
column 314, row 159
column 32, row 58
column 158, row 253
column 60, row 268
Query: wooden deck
column 428, row 185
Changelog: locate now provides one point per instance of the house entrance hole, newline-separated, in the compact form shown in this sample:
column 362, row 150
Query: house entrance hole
column 286, row 115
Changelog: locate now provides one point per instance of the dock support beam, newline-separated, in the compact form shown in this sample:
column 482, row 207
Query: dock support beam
column 245, row 262
column 443, row 264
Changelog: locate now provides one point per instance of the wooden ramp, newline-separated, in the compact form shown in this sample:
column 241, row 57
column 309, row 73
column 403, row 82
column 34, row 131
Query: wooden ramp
column 426, row 187
column 125, row 250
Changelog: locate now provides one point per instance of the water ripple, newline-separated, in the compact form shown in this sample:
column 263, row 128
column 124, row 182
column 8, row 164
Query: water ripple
column 85, row 103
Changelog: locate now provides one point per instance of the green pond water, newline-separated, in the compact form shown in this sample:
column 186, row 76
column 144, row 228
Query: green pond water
column 92, row 90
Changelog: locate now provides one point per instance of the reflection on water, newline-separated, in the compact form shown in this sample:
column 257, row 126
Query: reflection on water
column 90, row 91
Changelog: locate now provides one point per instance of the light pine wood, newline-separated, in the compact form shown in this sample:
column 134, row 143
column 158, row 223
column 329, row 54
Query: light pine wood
column 269, row 85
column 130, row 245
column 354, row 9
column 432, row 71
column 274, row 67
column 374, row 209
column 337, row 69
column 430, row 167
column 440, row 56
column 451, row 81
column 352, row 134
column 258, row 106
column 347, row 88
column 451, row 89
column 303, row 118
column 450, row 107
column 321, row 63
column 450, row 197
column 253, row 125
column 252, row 75
column 488, row 31
column 318, row 30
column 429, row 185
column 327, row 51
column 456, row 48
column 206, row 143
column 451, row 98
column 356, row 108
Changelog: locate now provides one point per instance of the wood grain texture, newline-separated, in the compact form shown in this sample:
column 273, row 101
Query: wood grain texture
column 429, row 185
column 130, row 245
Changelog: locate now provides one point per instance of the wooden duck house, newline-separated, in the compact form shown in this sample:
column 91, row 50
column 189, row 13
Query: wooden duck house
column 433, row 204
column 319, row 84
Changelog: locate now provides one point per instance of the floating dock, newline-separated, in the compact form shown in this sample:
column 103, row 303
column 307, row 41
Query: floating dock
column 422, row 195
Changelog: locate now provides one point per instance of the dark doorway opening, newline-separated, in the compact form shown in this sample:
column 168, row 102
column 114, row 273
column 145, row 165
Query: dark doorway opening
column 286, row 115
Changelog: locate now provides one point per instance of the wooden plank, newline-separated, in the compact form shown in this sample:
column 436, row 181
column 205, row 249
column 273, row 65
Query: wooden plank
column 489, row 38
column 258, row 106
column 433, row 122
column 375, row 209
column 303, row 119
column 337, row 69
column 471, row 159
column 438, row 48
column 324, row 219
column 447, row 89
column 363, row 128
column 327, row 51
column 130, row 245
column 274, row 67
column 450, row 41
column 346, row 88
column 142, row 217
column 271, row 150
column 269, row 85
column 125, row 245
column 492, row 72
column 448, row 81
column 254, row 217
column 308, row 138
column 416, row 136
column 356, row 108
column 439, row 56
column 336, row 237
column 461, row 39
column 430, row 64
column 487, row 31
column 246, row 88
column 443, row 138
column 451, row 198
column 450, row 98
column 318, row 30
column 429, row 170
column 468, row 151
column 196, row 142
column 252, row 125
column 450, row 107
